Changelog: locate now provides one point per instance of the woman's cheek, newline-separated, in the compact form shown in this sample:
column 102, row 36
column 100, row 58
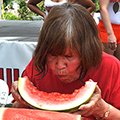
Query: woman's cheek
column 51, row 65
column 73, row 66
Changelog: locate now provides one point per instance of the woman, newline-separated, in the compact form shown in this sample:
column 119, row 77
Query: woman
column 68, row 53
column 110, row 26
column 32, row 5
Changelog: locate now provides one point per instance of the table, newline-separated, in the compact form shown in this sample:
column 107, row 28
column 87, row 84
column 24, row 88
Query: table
column 14, row 57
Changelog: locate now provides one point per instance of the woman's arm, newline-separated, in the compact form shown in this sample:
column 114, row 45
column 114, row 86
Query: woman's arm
column 112, row 42
column 32, row 5
column 88, row 4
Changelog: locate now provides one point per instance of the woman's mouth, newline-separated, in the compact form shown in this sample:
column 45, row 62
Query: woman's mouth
column 62, row 76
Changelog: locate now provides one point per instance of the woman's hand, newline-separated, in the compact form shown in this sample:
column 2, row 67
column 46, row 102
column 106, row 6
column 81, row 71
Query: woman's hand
column 96, row 105
column 112, row 42
column 19, row 102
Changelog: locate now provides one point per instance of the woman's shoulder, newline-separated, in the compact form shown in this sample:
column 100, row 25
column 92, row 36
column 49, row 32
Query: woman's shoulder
column 110, row 59
column 28, row 69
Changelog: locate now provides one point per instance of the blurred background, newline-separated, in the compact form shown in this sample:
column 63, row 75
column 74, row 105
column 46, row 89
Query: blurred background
column 18, row 10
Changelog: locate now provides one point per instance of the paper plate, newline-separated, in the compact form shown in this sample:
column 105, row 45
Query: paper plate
column 4, row 91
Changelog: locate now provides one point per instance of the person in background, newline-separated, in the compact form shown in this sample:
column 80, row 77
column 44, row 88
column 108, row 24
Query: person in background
column 109, row 26
column 69, row 53
column 88, row 4
column 32, row 5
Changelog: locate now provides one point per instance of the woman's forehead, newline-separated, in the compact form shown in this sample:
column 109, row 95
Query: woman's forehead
column 69, row 51
column 66, row 51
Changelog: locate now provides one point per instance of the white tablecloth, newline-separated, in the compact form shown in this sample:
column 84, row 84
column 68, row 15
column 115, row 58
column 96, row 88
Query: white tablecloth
column 14, row 56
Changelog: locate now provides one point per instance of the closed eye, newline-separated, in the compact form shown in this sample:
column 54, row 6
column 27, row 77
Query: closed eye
column 68, row 56
column 53, row 56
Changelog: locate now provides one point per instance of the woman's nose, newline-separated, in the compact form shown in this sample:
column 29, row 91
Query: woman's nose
column 61, row 63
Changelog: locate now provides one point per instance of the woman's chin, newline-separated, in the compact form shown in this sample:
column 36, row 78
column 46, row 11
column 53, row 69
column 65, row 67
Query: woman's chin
column 66, row 80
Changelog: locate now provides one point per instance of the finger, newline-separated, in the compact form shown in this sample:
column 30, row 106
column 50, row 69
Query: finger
column 14, row 85
column 96, row 95
column 97, row 90
column 85, row 110
column 112, row 45
column 15, row 95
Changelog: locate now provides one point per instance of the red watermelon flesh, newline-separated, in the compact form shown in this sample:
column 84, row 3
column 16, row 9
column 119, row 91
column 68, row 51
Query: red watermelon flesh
column 54, row 101
column 32, row 114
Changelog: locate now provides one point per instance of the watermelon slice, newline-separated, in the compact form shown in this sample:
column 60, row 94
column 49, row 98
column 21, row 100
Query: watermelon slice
column 55, row 101
column 32, row 114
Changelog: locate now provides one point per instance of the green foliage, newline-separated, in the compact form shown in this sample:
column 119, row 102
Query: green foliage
column 41, row 6
column 10, row 16
column 97, row 5
column 8, row 2
column 96, row 2
column 24, row 12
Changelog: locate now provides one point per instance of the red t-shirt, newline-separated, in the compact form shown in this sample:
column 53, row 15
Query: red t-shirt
column 107, row 77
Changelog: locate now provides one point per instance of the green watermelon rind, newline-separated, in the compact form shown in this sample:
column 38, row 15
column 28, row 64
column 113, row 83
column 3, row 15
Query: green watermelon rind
column 67, row 108
column 1, row 112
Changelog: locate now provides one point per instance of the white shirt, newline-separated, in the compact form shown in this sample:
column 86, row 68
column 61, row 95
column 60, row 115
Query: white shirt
column 49, row 4
column 114, row 12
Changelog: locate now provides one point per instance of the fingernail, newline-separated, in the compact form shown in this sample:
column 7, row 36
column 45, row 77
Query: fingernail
column 80, row 108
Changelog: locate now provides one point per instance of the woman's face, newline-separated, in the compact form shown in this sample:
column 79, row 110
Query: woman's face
column 66, row 67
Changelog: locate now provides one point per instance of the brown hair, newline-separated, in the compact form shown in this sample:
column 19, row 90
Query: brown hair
column 69, row 25
column 72, row 1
